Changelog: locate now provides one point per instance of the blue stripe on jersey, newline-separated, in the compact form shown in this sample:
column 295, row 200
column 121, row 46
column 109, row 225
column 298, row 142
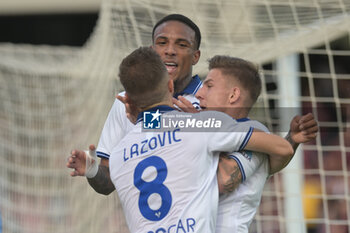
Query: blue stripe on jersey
column 102, row 155
column 246, row 139
column 192, row 87
column 199, row 84
column 240, row 166
column 243, row 119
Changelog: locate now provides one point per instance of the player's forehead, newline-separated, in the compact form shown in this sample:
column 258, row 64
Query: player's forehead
column 214, row 76
column 175, row 30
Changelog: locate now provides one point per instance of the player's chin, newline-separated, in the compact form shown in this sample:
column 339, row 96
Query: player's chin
column 172, row 75
column 176, row 77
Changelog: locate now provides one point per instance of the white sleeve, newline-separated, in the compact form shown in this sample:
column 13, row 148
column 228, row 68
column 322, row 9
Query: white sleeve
column 232, row 136
column 248, row 162
column 115, row 128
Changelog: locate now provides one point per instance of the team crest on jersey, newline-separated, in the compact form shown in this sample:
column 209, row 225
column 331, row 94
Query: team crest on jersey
column 152, row 120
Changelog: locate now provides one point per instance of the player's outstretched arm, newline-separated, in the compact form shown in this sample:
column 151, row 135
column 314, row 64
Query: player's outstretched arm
column 229, row 173
column 269, row 144
column 85, row 164
column 302, row 129
column 279, row 149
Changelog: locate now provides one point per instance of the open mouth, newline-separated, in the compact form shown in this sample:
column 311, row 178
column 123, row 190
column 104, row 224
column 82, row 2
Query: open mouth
column 171, row 67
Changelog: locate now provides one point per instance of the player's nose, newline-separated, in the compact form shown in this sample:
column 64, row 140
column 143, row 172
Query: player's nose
column 170, row 50
column 199, row 94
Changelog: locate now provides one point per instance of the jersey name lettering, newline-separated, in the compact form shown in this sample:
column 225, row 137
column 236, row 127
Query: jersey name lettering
column 188, row 225
column 160, row 140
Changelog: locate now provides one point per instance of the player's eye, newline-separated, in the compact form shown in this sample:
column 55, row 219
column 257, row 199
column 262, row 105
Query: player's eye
column 160, row 42
column 183, row 44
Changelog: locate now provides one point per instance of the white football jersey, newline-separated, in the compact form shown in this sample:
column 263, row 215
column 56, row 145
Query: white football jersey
column 166, row 181
column 117, row 125
column 237, row 209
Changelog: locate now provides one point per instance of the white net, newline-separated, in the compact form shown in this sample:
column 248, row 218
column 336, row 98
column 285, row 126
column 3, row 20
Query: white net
column 54, row 99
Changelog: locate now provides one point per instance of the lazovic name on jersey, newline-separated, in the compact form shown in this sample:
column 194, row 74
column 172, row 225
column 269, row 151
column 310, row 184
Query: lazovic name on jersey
column 159, row 140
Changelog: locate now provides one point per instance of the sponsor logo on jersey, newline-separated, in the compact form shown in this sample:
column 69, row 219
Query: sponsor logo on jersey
column 183, row 226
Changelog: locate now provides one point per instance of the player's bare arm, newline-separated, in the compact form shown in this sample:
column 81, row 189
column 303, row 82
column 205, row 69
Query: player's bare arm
column 269, row 144
column 231, row 175
column 102, row 182
column 228, row 174
column 260, row 141
column 302, row 129
column 84, row 164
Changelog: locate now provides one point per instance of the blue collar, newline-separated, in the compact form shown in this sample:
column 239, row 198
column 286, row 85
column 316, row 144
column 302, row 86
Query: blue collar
column 192, row 87
column 243, row 119
column 161, row 108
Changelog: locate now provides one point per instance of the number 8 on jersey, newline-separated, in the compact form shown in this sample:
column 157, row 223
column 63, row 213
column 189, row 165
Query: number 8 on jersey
column 156, row 186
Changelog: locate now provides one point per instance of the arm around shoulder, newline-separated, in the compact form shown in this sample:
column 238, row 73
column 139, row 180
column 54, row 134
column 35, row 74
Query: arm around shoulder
column 271, row 144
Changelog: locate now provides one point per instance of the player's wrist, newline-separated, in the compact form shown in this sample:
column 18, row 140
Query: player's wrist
column 290, row 139
column 91, row 167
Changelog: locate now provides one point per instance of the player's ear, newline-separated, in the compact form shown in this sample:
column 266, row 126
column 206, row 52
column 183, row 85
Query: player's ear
column 196, row 56
column 235, row 94
column 127, row 99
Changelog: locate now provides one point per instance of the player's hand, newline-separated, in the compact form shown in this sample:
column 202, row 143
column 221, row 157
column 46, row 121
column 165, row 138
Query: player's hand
column 184, row 105
column 84, row 163
column 131, row 110
column 303, row 128
column 77, row 161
